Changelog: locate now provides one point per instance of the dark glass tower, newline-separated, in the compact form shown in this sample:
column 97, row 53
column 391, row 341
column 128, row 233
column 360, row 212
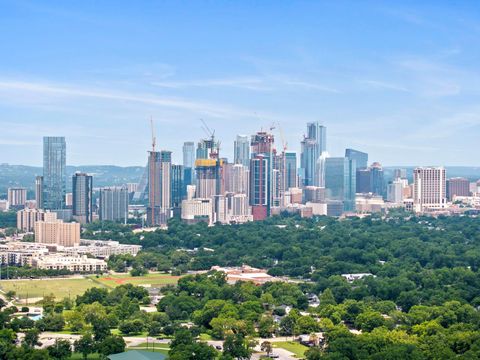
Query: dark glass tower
column 82, row 188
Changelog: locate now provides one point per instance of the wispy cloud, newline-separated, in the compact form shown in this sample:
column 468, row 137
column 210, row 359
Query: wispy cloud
column 432, row 78
column 57, row 92
column 250, row 83
column 384, row 85
column 256, row 83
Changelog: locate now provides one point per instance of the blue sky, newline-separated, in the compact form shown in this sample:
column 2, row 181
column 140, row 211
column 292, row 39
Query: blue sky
column 398, row 79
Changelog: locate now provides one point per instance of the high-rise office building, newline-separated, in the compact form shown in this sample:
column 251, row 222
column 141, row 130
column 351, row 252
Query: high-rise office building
column 39, row 191
column 313, row 145
column 340, row 174
column 189, row 162
column 290, row 170
column 429, row 189
column 82, row 198
column 363, row 176
column 363, row 181
column 361, row 158
column 179, row 188
column 395, row 191
column 159, row 187
column 114, row 204
column 188, row 154
column 377, row 179
column 457, row 187
column 17, row 197
column 371, row 180
column 54, row 172
column 242, row 150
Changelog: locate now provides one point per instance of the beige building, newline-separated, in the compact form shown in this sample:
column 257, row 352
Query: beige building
column 27, row 218
column 57, row 232
column 197, row 210
column 76, row 264
column 429, row 189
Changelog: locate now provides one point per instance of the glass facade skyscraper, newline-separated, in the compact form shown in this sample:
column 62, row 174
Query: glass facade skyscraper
column 159, row 187
column 360, row 157
column 82, row 189
column 313, row 145
column 54, row 172
column 179, row 188
column 188, row 154
column 340, row 176
column 290, row 170
column 189, row 162
column 242, row 150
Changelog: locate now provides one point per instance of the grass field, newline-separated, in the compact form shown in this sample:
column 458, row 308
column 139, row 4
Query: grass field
column 152, row 280
column 292, row 346
column 37, row 288
column 61, row 288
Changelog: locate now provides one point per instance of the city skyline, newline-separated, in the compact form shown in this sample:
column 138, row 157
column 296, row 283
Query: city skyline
column 397, row 82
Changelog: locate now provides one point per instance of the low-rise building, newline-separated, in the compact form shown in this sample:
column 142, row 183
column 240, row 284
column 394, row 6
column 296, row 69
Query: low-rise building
column 101, row 248
column 76, row 264
column 245, row 273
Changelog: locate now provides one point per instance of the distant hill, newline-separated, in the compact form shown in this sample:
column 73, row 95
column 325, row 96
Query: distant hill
column 104, row 175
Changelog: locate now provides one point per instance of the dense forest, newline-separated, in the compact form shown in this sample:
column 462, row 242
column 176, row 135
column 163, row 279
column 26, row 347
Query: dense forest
column 422, row 301
column 415, row 260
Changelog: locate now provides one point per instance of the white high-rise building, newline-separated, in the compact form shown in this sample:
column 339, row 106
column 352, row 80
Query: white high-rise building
column 233, row 208
column 238, row 180
column 395, row 191
column 429, row 189
column 17, row 196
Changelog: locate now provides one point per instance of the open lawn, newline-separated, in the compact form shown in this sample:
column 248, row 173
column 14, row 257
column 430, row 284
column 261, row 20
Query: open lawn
column 292, row 346
column 37, row 288
column 150, row 280
column 67, row 287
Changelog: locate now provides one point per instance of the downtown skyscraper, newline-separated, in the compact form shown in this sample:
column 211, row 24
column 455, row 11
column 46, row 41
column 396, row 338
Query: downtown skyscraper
column 54, row 173
column 340, row 175
column 159, row 187
column 242, row 150
column 312, row 146
column 261, row 174
column 82, row 189
column 188, row 150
